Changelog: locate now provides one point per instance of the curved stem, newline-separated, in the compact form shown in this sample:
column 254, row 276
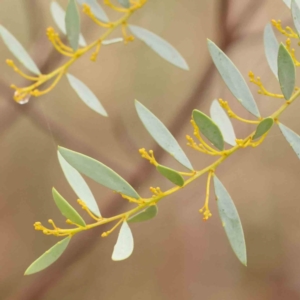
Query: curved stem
column 144, row 202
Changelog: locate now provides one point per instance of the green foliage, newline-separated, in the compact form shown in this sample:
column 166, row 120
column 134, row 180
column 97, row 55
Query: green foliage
column 49, row 257
column 59, row 17
column 162, row 135
column 66, row 209
column 148, row 214
column 231, row 221
column 171, row 174
column 160, row 46
column 292, row 138
column 221, row 119
column 271, row 48
column 286, row 72
column 98, row 172
column 124, row 245
column 18, row 50
column 79, row 185
column 209, row 129
column 86, row 95
column 263, row 127
column 72, row 21
column 233, row 78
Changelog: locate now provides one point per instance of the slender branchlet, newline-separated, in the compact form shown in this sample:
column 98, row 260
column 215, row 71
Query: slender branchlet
column 157, row 193
column 54, row 77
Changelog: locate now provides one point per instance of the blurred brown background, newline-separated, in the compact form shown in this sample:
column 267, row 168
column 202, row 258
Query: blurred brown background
column 177, row 256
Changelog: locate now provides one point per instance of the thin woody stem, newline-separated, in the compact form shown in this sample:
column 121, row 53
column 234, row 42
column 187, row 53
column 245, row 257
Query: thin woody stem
column 145, row 202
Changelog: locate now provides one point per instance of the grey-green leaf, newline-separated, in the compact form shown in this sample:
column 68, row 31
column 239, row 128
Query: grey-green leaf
column 124, row 3
column 96, row 9
column 233, row 78
column 160, row 46
column 209, row 129
column 86, row 95
column 66, row 209
column 72, row 20
column 221, row 119
column 263, row 127
column 98, row 172
column 147, row 214
column 288, row 3
column 271, row 48
column 292, row 138
column 59, row 15
column 231, row 221
column 161, row 134
column 286, row 72
column 18, row 50
column 49, row 257
column 124, row 246
column 170, row 174
column 296, row 15
column 79, row 185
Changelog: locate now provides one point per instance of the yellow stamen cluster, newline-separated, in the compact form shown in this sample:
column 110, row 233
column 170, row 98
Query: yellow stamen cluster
column 262, row 90
column 205, row 209
column 58, row 44
column 85, row 208
column 127, row 38
column 156, row 192
column 291, row 50
column 149, row 156
column 288, row 31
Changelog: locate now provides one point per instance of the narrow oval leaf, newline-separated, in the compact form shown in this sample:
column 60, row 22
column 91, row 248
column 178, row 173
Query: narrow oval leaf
column 292, row 138
column 96, row 9
column 296, row 15
column 79, row 185
column 72, row 20
column 222, row 120
column 271, row 48
column 263, row 127
column 59, row 15
column 18, row 50
column 161, row 134
column 86, row 95
column 49, row 257
column 209, row 129
column 160, row 46
column 147, row 214
column 124, row 3
column 231, row 221
column 170, row 174
column 286, row 72
column 98, row 172
column 288, row 3
column 66, row 209
column 233, row 78
column 124, row 246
